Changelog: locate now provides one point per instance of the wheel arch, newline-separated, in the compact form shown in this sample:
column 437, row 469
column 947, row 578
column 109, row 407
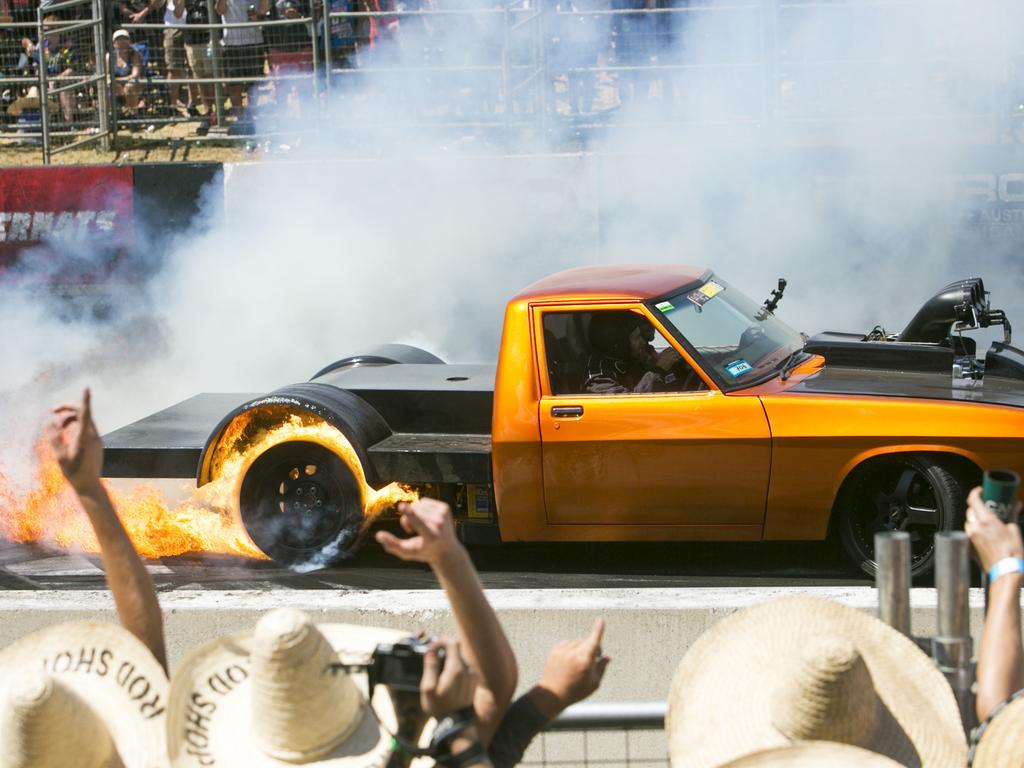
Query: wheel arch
column 361, row 425
column 963, row 462
column 383, row 354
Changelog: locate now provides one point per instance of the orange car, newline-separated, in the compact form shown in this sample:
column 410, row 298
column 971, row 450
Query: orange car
column 642, row 403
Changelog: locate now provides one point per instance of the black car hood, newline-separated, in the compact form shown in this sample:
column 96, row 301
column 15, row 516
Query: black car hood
column 843, row 380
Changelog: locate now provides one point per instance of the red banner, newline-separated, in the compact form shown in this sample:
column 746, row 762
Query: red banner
column 68, row 223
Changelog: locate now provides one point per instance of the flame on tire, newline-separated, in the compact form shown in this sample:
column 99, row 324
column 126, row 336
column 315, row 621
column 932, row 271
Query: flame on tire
column 207, row 521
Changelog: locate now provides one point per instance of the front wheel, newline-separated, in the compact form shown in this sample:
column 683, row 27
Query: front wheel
column 302, row 505
column 914, row 493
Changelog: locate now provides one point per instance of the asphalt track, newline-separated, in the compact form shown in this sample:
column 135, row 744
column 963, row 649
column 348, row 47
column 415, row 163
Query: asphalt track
column 522, row 566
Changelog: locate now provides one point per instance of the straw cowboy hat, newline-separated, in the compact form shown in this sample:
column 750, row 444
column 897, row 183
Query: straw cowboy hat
column 269, row 697
column 997, row 742
column 805, row 669
column 814, row 754
column 83, row 694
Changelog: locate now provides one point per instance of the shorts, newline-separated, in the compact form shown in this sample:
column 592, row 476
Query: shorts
column 199, row 60
column 174, row 49
column 243, row 61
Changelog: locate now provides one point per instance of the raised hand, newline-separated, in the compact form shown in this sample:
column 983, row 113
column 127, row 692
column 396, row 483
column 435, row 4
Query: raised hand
column 574, row 669
column 76, row 444
column 433, row 539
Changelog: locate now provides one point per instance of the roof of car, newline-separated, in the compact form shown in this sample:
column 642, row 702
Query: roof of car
column 623, row 282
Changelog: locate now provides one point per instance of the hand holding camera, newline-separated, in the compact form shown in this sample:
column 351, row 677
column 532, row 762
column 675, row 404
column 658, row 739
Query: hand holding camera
column 448, row 683
column 992, row 539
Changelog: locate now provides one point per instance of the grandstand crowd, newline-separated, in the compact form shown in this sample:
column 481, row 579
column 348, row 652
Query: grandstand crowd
column 795, row 681
column 164, row 62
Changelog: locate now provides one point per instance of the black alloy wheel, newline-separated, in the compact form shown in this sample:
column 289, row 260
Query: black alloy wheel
column 301, row 505
column 919, row 494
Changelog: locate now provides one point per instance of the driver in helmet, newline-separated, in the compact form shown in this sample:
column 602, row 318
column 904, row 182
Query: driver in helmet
column 622, row 359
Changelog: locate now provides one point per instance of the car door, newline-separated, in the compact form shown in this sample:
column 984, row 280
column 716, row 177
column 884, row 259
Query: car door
column 695, row 457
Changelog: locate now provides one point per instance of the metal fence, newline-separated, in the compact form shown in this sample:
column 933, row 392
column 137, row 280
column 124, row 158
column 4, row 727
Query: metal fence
column 628, row 734
column 53, row 79
column 554, row 70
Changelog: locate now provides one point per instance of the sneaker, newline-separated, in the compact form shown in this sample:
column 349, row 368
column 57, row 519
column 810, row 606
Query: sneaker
column 203, row 128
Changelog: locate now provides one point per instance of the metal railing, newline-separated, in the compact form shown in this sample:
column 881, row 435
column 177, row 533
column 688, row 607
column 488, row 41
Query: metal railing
column 604, row 733
column 57, row 95
column 555, row 70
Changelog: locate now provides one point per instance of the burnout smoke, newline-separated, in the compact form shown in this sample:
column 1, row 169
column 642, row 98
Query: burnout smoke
column 849, row 147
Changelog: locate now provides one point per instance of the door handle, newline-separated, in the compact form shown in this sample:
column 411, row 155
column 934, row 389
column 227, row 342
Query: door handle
column 567, row 411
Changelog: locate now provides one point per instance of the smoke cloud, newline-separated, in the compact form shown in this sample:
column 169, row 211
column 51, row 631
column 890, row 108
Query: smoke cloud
column 860, row 150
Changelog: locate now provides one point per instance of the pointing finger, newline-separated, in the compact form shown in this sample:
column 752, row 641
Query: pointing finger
column 597, row 633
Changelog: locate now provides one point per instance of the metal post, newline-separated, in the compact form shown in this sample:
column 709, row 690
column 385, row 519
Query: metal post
column 952, row 646
column 316, row 65
column 542, row 66
column 506, row 91
column 892, row 553
column 326, row 16
column 102, row 86
column 44, row 104
column 215, row 50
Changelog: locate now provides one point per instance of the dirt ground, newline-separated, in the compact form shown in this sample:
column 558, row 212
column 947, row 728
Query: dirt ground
column 128, row 153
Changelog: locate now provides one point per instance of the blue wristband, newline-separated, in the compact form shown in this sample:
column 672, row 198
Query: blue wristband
column 1005, row 566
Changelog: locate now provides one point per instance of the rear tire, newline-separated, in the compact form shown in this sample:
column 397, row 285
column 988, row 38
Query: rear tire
column 302, row 505
column 916, row 493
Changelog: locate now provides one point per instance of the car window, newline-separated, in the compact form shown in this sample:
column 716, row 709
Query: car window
column 730, row 333
column 611, row 352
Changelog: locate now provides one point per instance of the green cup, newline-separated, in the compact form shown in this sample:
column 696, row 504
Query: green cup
column 999, row 491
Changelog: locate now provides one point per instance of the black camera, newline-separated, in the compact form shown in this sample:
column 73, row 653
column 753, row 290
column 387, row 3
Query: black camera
column 399, row 665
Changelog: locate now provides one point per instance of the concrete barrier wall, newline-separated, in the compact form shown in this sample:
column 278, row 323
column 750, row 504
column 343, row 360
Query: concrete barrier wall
column 648, row 630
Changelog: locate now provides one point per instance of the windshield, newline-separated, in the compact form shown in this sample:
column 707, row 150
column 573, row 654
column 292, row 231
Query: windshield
column 732, row 335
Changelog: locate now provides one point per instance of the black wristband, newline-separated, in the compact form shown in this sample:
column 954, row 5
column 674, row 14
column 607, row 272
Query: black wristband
column 451, row 725
column 471, row 755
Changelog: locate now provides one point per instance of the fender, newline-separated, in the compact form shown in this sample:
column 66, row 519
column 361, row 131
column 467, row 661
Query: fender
column 349, row 414
column 385, row 354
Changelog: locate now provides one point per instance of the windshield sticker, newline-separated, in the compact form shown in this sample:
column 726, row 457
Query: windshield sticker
column 699, row 299
column 737, row 368
column 705, row 293
column 664, row 306
column 711, row 289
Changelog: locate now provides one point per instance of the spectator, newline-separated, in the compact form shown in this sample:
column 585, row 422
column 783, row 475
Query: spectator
column 199, row 52
column 12, row 62
column 84, row 693
column 20, row 11
column 243, row 47
column 291, row 691
column 572, row 672
column 480, row 633
column 293, row 37
column 997, row 546
column 141, row 12
column 61, row 62
column 175, row 59
column 805, row 669
column 76, row 444
column 126, row 72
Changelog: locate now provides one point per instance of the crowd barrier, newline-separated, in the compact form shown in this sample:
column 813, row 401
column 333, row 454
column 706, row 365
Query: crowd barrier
column 553, row 69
